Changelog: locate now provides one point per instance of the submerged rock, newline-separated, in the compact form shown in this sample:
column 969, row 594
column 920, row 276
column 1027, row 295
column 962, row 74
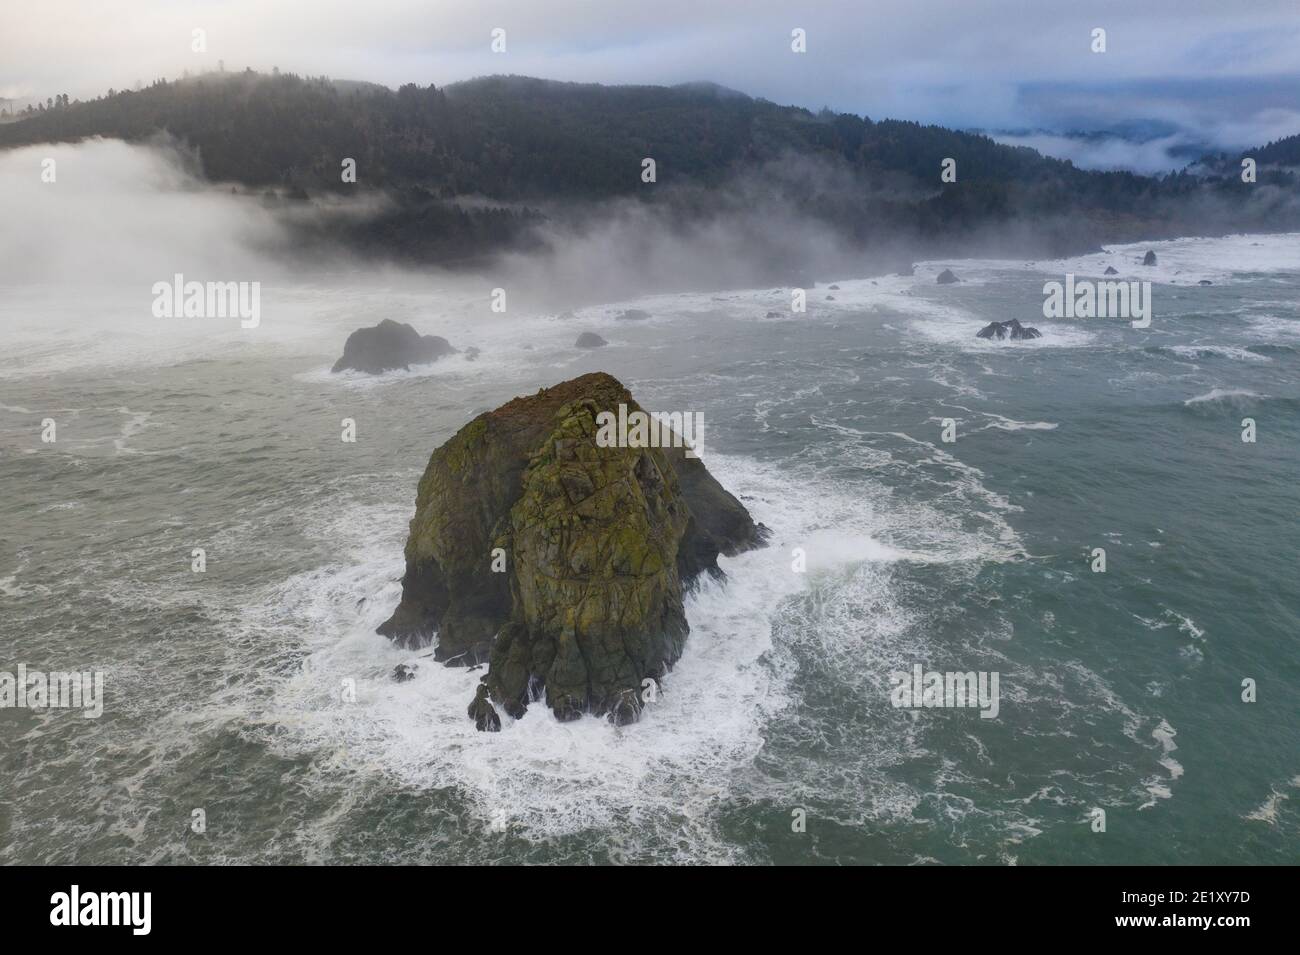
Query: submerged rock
column 1149, row 258
column 1011, row 329
column 946, row 277
column 1204, row 282
column 1111, row 270
column 559, row 561
column 772, row 315
column 632, row 315
column 589, row 340
column 389, row 346
column 402, row 672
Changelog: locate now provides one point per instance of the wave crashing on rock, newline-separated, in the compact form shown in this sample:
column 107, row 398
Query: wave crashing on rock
column 592, row 546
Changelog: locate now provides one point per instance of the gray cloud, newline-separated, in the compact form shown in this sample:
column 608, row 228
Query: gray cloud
column 952, row 62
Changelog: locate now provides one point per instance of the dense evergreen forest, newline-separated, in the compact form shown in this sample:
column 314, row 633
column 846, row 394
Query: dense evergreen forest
column 474, row 166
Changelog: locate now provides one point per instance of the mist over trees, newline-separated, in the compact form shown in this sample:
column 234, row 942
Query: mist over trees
column 475, row 167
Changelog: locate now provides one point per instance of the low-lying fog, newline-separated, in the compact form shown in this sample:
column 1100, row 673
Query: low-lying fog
column 92, row 228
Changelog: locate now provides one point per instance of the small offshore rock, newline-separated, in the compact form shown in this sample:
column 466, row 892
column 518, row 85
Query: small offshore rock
column 483, row 713
column 1011, row 329
column 390, row 346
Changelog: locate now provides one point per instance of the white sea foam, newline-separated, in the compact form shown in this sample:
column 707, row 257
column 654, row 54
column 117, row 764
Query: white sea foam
column 1186, row 625
column 549, row 778
column 1267, row 811
column 1162, row 788
column 1011, row 424
column 1273, row 328
column 1222, row 351
column 959, row 329
column 1230, row 396
column 552, row 778
column 1186, row 261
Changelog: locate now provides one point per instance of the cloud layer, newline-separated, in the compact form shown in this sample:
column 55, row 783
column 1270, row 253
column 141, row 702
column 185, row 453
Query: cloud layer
column 994, row 64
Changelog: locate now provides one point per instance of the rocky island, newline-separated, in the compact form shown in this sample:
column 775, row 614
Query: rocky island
column 390, row 346
column 561, row 562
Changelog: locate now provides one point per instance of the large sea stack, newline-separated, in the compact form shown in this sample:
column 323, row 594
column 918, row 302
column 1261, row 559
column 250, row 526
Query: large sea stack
column 592, row 546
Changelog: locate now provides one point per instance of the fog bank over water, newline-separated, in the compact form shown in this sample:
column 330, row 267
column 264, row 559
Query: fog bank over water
column 119, row 214
column 118, row 218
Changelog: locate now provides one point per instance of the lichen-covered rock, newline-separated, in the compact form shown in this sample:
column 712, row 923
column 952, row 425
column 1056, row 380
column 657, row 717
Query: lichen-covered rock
column 389, row 346
column 593, row 548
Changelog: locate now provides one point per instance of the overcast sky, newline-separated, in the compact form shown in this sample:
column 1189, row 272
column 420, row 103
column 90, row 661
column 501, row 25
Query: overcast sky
column 1226, row 72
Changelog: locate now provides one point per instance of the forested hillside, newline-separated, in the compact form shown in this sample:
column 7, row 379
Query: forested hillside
column 529, row 146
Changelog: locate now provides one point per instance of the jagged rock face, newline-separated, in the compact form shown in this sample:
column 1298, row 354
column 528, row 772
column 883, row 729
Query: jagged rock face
column 599, row 542
column 389, row 346
column 1011, row 329
column 596, row 582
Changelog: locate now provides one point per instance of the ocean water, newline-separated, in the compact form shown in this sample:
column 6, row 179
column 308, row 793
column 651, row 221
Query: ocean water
column 1119, row 690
